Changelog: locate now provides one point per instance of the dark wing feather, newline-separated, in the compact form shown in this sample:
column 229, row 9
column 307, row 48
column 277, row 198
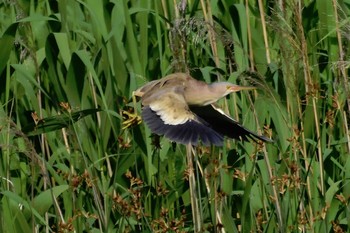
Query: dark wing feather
column 224, row 124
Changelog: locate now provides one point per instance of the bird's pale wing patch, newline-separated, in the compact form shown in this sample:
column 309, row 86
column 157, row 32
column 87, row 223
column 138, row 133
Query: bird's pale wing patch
column 172, row 108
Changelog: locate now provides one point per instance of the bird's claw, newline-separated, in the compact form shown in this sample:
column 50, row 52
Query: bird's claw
column 130, row 119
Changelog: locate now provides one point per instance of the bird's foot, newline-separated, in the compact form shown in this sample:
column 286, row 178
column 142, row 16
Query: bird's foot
column 130, row 119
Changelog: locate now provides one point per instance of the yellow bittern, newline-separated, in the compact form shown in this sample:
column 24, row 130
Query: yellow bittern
column 181, row 108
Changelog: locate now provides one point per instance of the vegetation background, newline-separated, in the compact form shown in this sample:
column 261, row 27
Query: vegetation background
column 67, row 167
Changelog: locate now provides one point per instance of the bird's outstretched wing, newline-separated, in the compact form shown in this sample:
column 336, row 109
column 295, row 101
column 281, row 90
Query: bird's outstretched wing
column 224, row 124
column 166, row 113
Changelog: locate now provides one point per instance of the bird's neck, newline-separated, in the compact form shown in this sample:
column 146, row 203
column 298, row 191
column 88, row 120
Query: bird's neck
column 201, row 95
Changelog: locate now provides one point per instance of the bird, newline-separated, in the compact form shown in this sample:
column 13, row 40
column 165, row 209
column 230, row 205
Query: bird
column 183, row 110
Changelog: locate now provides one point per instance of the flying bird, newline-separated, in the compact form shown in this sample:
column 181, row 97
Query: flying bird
column 182, row 109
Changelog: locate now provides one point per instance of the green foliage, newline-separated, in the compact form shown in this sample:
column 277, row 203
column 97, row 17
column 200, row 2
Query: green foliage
column 67, row 72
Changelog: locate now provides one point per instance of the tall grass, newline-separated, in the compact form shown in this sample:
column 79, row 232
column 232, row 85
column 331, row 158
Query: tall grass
column 68, row 69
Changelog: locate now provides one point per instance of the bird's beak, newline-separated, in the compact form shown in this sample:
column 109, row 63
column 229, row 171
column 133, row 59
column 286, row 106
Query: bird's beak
column 240, row 88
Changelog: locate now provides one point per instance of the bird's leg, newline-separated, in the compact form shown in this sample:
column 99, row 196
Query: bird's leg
column 131, row 118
